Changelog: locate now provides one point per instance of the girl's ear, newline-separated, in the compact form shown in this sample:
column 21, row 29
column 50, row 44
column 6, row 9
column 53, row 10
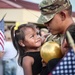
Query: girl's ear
column 21, row 43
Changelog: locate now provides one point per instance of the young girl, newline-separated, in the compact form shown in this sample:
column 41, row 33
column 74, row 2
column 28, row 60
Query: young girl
column 27, row 42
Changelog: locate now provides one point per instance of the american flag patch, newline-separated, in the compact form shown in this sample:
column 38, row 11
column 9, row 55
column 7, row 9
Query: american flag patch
column 2, row 35
column 66, row 66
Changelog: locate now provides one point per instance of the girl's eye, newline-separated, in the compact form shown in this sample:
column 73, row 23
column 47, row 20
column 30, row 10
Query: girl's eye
column 32, row 36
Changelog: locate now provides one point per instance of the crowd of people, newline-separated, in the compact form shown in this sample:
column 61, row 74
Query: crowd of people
column 26, row 40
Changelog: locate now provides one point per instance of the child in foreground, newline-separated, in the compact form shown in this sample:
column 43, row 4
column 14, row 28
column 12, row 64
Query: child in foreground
column 27, row 43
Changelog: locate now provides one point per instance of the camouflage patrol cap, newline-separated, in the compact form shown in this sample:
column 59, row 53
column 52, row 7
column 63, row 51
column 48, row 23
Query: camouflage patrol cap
column 50, row 7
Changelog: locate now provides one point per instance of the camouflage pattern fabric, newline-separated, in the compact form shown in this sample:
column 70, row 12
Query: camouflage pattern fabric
column 55, row 38
column 50, row 7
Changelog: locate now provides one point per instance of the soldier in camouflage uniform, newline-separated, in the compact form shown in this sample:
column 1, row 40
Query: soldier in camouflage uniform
column 56, row 15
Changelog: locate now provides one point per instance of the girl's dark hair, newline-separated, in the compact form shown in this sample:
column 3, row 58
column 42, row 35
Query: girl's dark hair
column 17, row 35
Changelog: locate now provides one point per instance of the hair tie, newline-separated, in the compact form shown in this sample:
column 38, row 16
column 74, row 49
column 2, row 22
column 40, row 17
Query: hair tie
column 16, row 26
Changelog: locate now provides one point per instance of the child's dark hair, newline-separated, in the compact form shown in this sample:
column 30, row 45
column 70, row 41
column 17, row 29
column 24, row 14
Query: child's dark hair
column 17, row 35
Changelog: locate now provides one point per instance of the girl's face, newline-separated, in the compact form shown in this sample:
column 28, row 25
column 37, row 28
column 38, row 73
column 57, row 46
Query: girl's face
column 32, row 38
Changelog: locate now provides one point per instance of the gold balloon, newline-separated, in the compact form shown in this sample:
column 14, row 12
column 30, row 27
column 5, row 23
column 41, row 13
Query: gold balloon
column 50, row 50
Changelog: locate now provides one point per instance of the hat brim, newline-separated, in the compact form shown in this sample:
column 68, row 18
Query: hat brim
column 38, row 24
column 45, row 18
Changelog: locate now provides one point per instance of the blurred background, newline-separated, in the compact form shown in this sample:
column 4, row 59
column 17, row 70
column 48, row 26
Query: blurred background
column 22, row 11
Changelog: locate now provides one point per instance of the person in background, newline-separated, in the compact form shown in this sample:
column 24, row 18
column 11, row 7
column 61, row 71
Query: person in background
column 1, row 54
column 8, row 59
column 43, row 33
column 1, row 67
column 27, row 42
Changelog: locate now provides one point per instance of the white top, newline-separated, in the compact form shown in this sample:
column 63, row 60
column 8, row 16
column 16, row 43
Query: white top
column 10, row 51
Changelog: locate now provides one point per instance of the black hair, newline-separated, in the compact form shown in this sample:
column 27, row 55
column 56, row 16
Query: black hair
column 71, row 30
column 17, row 35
